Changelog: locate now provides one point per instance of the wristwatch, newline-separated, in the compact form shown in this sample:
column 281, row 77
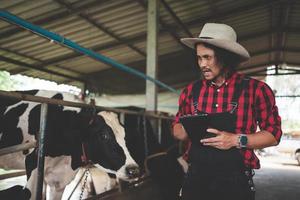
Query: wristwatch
column 242, row 141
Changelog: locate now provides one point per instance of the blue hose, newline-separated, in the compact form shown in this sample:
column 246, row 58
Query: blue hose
column 68, row 43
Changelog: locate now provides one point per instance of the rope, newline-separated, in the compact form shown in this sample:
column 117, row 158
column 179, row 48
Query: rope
column 87, row 169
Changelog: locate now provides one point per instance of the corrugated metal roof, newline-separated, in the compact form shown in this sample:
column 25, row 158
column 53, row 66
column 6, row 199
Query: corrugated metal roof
column 269, row 29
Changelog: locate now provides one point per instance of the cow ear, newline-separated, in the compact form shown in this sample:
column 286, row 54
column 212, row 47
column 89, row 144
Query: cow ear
column 87, row 113
column 58, row 96
column 34, row 120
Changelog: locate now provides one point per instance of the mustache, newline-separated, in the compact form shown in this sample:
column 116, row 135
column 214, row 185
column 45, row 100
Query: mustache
column 205, row 70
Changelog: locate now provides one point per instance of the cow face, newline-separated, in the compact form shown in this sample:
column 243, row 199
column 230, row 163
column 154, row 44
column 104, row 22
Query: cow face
column 102, row 145
column 99, row 137
column 113, row 135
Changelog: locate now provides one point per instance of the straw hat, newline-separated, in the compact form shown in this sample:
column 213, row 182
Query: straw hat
column 219, row 35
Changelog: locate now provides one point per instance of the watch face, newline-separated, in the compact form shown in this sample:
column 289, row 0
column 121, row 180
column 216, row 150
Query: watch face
column 244, row 140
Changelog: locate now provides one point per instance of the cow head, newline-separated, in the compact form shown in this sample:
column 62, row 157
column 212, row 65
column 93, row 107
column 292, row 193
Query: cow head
column 109, row 139
column 100, row 137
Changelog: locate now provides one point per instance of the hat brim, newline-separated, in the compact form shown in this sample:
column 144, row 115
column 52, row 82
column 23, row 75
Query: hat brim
column 233, row 47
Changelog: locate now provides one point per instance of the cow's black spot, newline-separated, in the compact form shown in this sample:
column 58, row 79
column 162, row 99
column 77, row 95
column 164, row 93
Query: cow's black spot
column 11, row 134
column 58, row 96
column 67, row 131
column 102, row 141
column 31, row 163
column 15, row 193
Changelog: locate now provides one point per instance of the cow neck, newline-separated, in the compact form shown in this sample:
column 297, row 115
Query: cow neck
column 84, row 156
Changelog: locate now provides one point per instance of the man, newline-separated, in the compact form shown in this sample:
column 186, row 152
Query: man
column 221, row 167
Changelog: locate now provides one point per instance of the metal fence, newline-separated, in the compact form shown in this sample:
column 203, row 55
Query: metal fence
column 43, row 121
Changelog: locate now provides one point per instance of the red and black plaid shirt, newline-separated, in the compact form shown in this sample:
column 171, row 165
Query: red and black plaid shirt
column 256, row 106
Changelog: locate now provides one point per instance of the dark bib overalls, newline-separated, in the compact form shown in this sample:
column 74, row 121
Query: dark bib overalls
column 216, row 174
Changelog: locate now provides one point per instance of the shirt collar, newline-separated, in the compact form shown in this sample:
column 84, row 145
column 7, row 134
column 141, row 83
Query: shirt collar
column 227, row 81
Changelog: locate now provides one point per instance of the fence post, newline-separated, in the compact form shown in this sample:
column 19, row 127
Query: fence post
column 41, row 151
column 159, row 130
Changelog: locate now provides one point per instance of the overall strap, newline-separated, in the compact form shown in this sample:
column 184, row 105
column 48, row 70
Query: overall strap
column 234, row 101
column 195, row 93
column 237, row 93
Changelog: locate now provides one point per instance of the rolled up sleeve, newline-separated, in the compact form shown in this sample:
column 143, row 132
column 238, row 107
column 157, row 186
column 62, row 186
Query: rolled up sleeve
column 184, row 104
column 267, row 111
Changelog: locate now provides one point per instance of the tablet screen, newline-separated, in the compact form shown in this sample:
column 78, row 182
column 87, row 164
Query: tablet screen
column 196, row 126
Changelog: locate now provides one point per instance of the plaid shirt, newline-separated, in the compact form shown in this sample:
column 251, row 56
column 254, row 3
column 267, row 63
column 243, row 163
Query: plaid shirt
column 256, row 106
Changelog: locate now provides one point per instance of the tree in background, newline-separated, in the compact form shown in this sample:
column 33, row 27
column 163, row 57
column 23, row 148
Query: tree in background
column 287, row 90
column 6, row 82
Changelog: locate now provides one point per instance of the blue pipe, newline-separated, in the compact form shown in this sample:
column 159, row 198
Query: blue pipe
column 68, row 43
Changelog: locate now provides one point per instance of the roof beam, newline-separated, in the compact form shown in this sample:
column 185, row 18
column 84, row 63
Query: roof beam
column 261, row 52
column 99, row 26
column 138, row 38
column 17, row 71
column 176, row 18
column 272, row 27
column 256, row 66
column 143, row 36
column 265, row 65
column 213, row 8
column 82, row 9
column 26, row 65
column 282, row 22
column 164, row 25
column 232, row 12
column 278, row 74
column 19, row 54
column 293, row 70
column 257, row 72
column 75, row 55
column 49, row 19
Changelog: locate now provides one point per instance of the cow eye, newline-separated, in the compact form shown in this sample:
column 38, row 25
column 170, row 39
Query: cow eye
column 105, row 136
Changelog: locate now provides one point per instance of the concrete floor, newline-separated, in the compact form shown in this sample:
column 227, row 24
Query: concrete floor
column 278, row 179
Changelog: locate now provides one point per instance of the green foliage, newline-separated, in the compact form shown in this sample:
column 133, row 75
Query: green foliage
column 289, row 107
column 6, row 82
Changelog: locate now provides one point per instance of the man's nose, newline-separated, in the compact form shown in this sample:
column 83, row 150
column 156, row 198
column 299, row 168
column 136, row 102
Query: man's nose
column 203, row 64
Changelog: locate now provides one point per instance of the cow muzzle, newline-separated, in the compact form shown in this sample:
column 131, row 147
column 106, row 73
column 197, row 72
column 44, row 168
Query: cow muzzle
column 132, row 171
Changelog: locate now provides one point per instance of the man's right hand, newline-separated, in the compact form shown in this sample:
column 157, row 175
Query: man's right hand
column 179, row 132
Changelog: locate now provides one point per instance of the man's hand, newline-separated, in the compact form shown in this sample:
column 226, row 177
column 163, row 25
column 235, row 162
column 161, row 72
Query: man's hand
column 223, row 140
column 179, row 132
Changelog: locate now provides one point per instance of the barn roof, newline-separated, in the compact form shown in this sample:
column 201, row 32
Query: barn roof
column 269, row 29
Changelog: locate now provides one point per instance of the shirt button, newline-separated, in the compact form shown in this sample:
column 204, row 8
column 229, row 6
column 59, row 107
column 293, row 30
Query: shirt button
column 218, row 90
column 217, row 105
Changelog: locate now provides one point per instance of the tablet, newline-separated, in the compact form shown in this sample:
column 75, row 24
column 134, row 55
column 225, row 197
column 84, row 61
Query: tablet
column 196, row 126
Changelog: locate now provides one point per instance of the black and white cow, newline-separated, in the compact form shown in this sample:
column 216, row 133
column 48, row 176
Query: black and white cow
column 15, row 192
column 68, row 131
column 162, row 159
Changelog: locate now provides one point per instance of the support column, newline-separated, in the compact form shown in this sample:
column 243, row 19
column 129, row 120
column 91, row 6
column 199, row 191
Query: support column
column 151, row 89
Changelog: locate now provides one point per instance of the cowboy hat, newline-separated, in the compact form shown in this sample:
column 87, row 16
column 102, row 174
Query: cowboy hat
column 219, row 35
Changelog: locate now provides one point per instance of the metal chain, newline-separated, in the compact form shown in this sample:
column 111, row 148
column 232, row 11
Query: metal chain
column 84, row 183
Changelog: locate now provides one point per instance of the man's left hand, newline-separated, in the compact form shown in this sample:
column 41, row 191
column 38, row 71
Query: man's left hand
column 223, row 140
